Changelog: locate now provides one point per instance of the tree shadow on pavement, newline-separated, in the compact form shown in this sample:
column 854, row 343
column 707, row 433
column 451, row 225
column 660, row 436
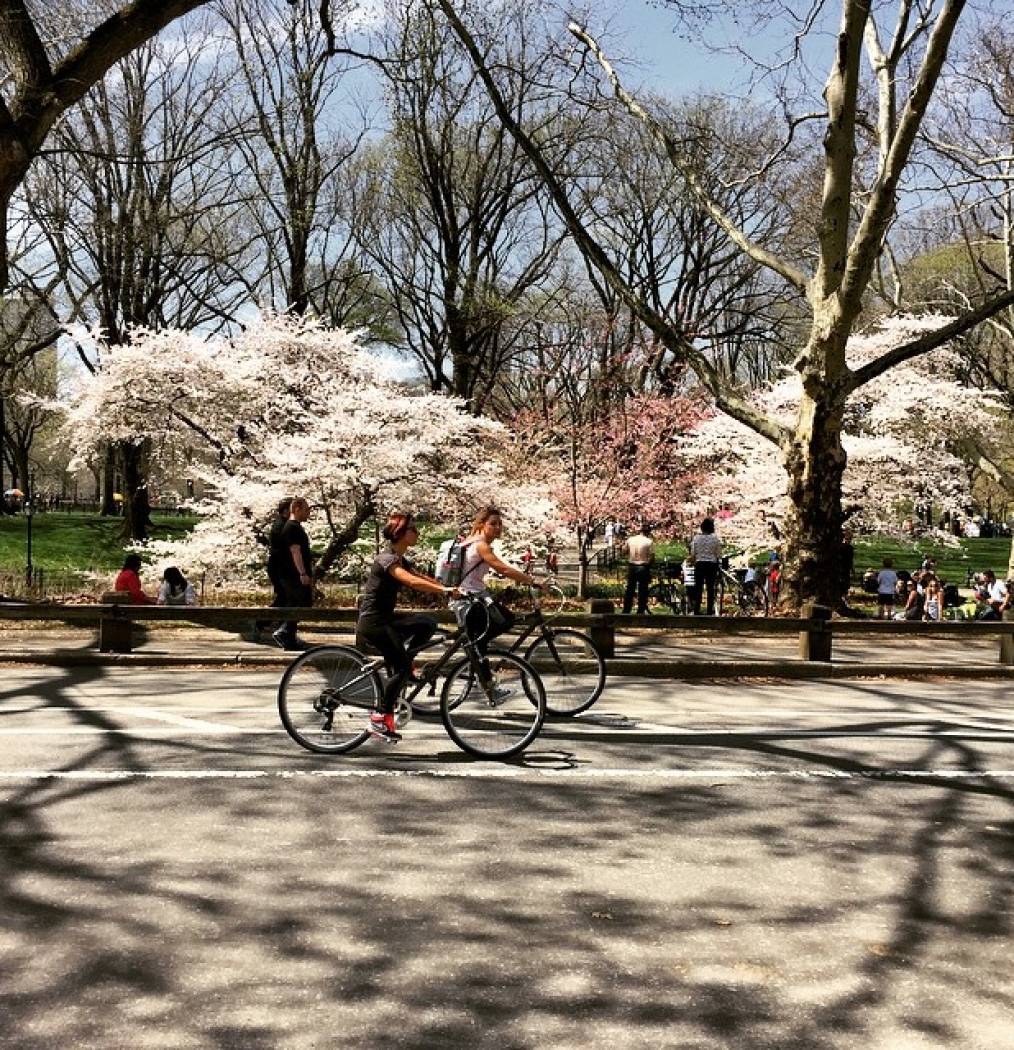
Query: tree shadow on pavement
column 833, row 910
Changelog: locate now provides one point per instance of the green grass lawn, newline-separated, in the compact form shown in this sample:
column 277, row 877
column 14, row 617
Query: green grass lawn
column 64, row 542
column 953, row 562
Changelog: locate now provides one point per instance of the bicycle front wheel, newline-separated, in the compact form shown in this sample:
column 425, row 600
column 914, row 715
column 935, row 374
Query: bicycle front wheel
column 325, row 699
column 571, row 668
column 498, row 718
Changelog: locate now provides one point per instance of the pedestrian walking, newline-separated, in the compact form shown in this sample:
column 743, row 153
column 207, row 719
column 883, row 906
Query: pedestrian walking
column 295, row 571
column 276, row 560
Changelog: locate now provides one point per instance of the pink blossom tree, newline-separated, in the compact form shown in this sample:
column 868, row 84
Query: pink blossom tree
column 621, row 461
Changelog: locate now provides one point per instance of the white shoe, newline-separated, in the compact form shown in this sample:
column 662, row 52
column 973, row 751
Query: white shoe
column 498, row 694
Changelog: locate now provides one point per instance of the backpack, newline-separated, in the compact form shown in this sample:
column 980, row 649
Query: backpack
column 451, row 561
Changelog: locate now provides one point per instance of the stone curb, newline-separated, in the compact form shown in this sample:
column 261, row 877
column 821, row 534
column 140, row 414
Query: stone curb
column 620, row 667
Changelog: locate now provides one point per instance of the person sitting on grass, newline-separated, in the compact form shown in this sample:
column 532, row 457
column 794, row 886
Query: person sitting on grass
column 129, row 581
column 996, row 600
column 176, row 589
column 914, row 601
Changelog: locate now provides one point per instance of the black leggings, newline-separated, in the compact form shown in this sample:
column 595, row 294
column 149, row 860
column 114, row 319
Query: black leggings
column 481, row 630
column 705, row 578
column 397, row 639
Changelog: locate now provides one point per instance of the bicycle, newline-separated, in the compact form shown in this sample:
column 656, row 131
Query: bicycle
column 736, row 595
column 670, row 590
column 327, row 694
column 572, row 670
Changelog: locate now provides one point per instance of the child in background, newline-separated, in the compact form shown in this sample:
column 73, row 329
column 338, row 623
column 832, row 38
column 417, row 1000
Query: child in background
column 887, row 585
column 933, row 606
column 774, row 581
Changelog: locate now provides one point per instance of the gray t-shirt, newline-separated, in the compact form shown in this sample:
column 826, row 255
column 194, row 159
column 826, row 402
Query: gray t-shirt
column 705, row 546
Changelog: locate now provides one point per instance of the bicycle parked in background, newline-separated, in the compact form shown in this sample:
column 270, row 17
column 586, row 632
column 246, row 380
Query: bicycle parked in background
column 669, row 588
column 739, row 592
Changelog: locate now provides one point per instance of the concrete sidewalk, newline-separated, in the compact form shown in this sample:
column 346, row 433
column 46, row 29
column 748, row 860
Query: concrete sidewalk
column 642, row 653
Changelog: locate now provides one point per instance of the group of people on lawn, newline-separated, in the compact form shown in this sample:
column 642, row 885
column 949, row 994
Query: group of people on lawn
column 923, row 595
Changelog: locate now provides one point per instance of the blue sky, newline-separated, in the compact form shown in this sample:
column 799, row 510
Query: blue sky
column 667, row 62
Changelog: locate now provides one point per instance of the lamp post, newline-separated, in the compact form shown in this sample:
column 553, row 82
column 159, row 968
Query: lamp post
column 29, row 510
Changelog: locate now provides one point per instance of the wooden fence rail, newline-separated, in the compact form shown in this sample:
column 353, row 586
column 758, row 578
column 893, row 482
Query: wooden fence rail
column 816, row 631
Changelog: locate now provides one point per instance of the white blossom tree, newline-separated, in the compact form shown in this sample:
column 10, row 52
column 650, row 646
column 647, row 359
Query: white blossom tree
column 290, row 407
column 907, row 436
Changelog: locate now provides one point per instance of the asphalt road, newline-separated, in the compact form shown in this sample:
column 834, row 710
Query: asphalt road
column 800, row 865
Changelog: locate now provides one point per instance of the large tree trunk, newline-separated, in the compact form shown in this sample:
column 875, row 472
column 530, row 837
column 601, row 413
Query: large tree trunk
column 815, row 466
column 136, row 505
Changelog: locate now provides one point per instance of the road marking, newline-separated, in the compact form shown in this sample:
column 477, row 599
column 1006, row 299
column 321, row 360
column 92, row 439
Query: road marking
column 204, row 728
column 512, row 773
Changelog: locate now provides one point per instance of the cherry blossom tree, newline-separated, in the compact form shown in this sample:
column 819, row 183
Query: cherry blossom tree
column 607, row 452
column 289, row 406
column 623, row 464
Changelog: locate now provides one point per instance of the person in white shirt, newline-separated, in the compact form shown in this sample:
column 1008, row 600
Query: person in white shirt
column 176, row 589
column 997, row 597
column 640, row 553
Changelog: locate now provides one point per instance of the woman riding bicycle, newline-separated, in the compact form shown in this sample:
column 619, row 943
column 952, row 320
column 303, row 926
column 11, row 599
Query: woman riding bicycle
column 396, row 635
column 479, row 558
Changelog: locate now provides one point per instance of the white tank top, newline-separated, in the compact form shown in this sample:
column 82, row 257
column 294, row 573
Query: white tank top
column 473, row 569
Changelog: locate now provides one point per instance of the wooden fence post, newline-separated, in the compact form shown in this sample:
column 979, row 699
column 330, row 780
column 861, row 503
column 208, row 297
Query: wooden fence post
column 815, row 641
column 603, row 627
column 1007, row 640
column 116, row 634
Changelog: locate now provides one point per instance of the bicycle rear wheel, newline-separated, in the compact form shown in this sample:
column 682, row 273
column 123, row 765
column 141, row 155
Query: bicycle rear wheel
column 659, row 593
column 754, row 602
column 571, row 668
column 325, row 699
column 497, row 719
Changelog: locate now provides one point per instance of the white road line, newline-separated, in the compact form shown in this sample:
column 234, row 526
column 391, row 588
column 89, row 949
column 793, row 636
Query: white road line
column 514, row 773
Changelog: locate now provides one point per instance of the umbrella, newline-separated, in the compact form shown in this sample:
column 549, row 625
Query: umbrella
column 14, row 492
